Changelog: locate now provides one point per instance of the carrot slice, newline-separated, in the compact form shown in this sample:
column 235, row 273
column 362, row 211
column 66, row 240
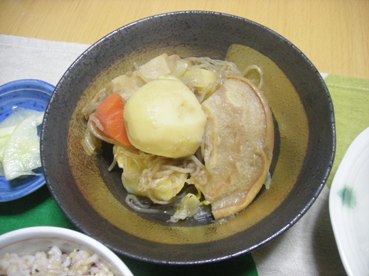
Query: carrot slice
column 110, row 115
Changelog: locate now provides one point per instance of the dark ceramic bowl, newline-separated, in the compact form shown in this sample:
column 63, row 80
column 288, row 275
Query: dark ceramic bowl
column 93, row 198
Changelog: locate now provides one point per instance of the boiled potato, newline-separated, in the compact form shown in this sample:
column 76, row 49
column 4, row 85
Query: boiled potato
column 164, row 118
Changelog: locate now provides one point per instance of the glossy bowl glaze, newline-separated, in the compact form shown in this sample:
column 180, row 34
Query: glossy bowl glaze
column 93, row 198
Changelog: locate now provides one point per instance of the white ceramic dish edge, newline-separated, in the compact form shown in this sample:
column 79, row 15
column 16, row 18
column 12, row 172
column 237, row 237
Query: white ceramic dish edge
column 39, row 238
column 349, row 205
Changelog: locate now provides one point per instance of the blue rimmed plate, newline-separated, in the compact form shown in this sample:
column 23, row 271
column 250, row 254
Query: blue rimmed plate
column 349, row 206
column 30, row 94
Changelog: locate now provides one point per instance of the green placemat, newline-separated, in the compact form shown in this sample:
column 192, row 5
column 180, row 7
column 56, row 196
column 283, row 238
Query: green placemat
column 351, row 104
column 40, row 209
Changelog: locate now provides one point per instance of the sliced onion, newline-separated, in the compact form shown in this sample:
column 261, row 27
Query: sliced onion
column 258, row 70
column 134, row 203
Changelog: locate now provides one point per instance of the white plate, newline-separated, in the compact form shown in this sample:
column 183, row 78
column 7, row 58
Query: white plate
column 349, row 206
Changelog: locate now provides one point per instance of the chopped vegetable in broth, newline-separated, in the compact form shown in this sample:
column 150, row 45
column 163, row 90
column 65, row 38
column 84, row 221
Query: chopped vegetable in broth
column 179, row 122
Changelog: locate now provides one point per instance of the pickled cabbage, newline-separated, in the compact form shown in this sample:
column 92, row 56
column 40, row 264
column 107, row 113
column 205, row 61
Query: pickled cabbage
column 20, row 143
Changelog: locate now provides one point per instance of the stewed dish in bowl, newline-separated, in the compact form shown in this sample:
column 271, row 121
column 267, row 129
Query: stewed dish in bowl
column 188, row 137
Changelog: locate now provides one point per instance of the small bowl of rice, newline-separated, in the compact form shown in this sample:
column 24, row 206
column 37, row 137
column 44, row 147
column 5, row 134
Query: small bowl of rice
column 45, row 250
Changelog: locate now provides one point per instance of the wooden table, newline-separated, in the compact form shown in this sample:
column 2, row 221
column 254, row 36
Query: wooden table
column 334, row 34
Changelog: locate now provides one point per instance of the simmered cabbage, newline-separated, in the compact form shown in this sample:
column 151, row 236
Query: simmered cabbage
column 155, row 177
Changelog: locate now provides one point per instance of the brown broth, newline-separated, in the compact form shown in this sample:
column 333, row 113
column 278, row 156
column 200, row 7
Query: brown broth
column 288, row 112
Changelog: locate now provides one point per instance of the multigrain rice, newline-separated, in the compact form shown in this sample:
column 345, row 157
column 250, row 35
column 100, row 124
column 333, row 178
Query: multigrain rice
column 54, row 262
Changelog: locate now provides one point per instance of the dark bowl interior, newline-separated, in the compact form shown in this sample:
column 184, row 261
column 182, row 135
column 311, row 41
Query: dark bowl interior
column 93, row 198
